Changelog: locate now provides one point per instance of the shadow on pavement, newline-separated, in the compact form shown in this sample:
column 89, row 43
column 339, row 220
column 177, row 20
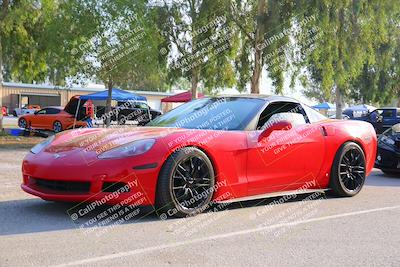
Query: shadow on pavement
column 36, row 215
column 378, row 178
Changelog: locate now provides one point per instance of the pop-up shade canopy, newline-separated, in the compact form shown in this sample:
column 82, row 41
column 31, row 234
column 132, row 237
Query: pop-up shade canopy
column 117, row 94
column 179, row 98
column 361, row 109
column 324, row 106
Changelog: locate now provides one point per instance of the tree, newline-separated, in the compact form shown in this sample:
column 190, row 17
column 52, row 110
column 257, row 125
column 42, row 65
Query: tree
column 200, row 42
column 265, row 28
column 379, row 81
column 22, row 53
column 115, row 42
column 347, row 35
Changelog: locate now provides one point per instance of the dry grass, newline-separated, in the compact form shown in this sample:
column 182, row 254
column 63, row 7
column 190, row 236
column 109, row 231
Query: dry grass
column 12, row 142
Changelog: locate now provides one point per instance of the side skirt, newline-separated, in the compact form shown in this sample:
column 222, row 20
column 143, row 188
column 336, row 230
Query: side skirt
column 274, row 194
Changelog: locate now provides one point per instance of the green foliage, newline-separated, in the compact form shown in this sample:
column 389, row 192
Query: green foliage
column 354, row 50
column 201, row 42
column 22, row 27
column 275, row 26
column 154, row 45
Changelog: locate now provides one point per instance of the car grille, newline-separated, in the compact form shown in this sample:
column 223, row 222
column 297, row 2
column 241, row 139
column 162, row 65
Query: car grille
column 113, row 187
column 63, row 186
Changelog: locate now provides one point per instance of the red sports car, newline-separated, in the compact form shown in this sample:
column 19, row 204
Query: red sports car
column 209, row 150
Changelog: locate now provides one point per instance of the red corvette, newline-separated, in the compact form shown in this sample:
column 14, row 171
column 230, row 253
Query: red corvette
column 205, row 151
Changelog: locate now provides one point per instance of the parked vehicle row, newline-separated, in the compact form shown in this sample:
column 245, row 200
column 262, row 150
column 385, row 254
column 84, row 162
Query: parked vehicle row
column 58, row 119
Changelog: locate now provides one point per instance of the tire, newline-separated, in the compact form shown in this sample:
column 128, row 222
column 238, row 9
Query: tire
column 22, row 123
column 348, row 170
column 183, row 188
column 57, row 127
column 15, row 114
column 122, row 120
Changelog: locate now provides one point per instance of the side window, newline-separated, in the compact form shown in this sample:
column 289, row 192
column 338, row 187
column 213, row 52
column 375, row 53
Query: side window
column 143, row 105
column 282, row 108
column 42, row 111
column 52, row 111
column 313, row 115
column 388, row 113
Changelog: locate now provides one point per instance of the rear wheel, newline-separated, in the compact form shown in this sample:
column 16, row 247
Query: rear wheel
column 57, row 127
column 22, row 123
column 186, row 183
column 348, row 170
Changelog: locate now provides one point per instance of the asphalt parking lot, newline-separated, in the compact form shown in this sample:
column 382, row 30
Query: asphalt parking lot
column 359, row 231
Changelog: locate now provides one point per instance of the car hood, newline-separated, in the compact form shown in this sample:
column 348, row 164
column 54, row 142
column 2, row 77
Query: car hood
column 100, row 140
column 394, row 147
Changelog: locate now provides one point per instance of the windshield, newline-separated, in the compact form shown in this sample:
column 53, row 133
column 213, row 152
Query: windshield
column 222, row 113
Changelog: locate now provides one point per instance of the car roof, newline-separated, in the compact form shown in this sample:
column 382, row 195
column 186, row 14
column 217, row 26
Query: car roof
column 56, row 107
column 269, row 98
column 390, row 108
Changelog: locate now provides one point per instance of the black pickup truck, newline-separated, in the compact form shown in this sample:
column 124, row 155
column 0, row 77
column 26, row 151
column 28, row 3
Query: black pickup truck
column 130, row 111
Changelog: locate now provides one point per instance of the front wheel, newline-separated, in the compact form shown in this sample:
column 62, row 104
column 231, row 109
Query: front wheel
column 57, row 127
column 186, row 183
column 348, row 170
column 22, row 123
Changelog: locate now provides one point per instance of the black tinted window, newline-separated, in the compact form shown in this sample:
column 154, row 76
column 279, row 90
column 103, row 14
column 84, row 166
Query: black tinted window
column 52, row 111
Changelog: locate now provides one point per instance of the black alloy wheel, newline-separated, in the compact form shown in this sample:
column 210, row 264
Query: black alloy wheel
column 349, row 170
column 186, row 183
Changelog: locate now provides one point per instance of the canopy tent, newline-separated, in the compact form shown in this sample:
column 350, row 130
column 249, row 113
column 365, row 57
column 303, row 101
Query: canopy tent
column 360, row 110
column 180, row 98
column 324, row 106
column 117, row 94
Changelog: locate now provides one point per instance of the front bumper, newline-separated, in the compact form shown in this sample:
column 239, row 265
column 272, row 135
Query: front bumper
column 76, row 179
column 387, row 160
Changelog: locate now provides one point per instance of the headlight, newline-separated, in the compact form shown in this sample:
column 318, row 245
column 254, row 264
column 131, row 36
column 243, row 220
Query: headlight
column 130, row 149
column 386, row 140
column 39, row 147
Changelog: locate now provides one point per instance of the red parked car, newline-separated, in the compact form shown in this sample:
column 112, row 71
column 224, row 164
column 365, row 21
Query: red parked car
column 208, row 150
column 4, row 111
column 54, row 119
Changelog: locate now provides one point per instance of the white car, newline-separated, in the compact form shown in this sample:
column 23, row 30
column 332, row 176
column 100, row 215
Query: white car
column 25, row 110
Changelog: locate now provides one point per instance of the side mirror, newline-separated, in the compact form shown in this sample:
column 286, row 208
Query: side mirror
column 278, row 126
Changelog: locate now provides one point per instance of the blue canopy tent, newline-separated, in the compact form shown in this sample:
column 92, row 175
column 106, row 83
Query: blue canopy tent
column 359, row 109
column 116, row 94
column 324, row 106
